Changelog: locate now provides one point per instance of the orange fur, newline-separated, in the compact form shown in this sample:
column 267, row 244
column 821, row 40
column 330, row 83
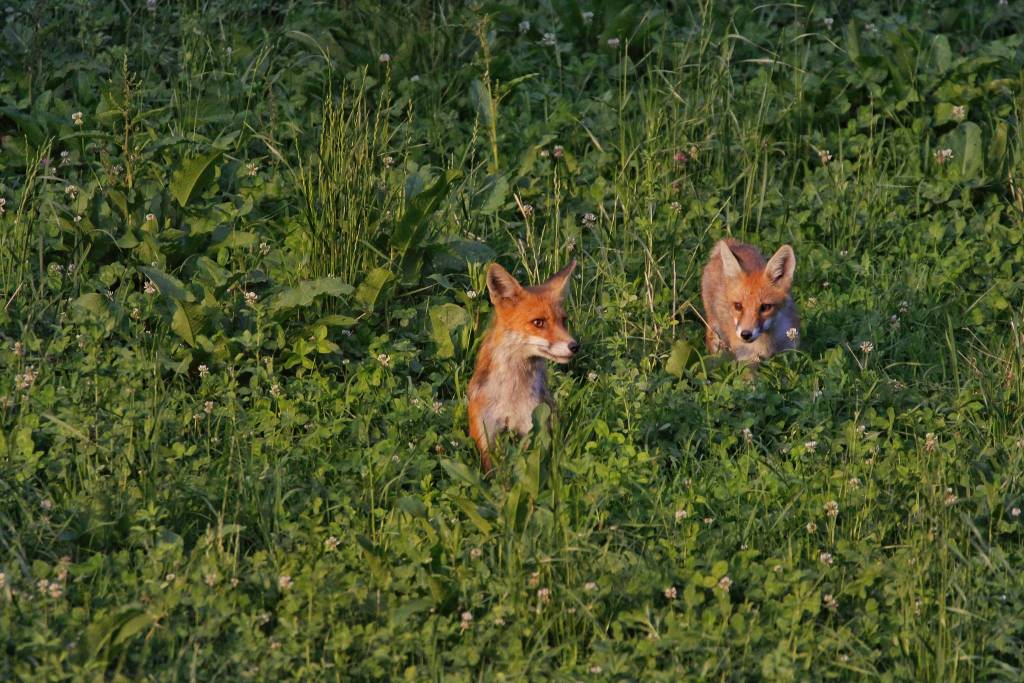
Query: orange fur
column 510, row 378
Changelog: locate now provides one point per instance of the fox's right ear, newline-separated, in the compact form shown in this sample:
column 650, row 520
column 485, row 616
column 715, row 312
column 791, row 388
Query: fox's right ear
column 730, row 264
column 503, row 287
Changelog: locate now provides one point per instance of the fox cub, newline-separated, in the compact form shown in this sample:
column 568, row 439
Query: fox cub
column 510, row 378
column 747, row 305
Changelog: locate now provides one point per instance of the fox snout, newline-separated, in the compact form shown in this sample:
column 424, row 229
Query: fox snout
column 748, row 335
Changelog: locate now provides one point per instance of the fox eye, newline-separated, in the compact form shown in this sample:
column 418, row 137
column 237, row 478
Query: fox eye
column 766, row 307
column 538, row 323
column 738, row 306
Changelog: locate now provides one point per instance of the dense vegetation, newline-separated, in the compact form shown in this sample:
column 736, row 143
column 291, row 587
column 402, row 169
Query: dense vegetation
column 242, row 255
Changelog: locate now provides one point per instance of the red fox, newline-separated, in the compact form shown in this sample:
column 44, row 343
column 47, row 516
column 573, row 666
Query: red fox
column 510, row 378
column 746, row 301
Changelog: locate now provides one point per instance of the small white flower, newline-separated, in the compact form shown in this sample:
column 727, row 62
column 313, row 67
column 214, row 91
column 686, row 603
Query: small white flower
column 415, row 78
column 46, row 504
column 388, row 161
column 588, row 17
column 826, row 559
column 613, row 42
column 71, row 191
column 931, row 442
column 811, row 527
column 811, row 446
column 476, row 554
column 676, row 207
column 467, row 619
column 867, row 347
column 208, row 407
column 590, row 586
column 527, row 210
column 264, row 249
column 56, row 590
column 681, row 514
column 792, row 333
column 549, row 39
column 589, row 220
column 250, row 298
column 670, row 592
column 204, row 371
column 3, row 206
column 384, row 58
column 558, row 151
column 544, row 594
column 524, row 26
column 829, row 602
column 26, row 379
column 748, row 436
column 592, row 376
column 1015, row 512
column 725, row 583
column 275, row 390
column 854, row 483
column 471, row 293
column 832, row 509
column 595, row 669
column 252, row 169
column 77, row 118
column 211, row 579
column 828, row 21
column 284, row 582
column 959, row 112
column 331, row 543
column 708, row 521
column 150, row 288
column 384, row 359
column 904, row 307
column 824, row 156
column 943, row 155
column 951, row 497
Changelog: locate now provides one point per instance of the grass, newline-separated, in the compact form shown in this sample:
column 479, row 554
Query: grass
column 242, row 299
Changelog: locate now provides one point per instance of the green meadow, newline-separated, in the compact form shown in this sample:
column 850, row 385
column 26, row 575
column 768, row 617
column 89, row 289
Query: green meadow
column 243, row 249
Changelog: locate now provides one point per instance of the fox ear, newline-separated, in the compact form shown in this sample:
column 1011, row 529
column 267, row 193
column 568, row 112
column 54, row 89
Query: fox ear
column 502, row 286
column 730, row 264
column 558, row 282
column 781, row 267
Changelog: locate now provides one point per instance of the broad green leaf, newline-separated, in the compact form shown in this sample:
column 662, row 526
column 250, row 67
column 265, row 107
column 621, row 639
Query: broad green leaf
column 497, row 196
column 94, row 304
column 185, row 323
column 679, row 359
column 444, row 320
column 413, row 506
column 187, row 178
column 167, row 284
column 472, row 512
column 370, row 288
column 305, row 292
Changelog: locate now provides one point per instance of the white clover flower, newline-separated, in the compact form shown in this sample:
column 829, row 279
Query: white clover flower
column 931, row 442
column 150, row 288
column 588, row 17
column 252, row 169
column 867, row 347
column 595, row 669
column 828, row 21
column 524, row 26
column 476, row 553
column 613, row 42
column 1015, row 512
column 549, row 39
column 854, row 483
column 811, row 446
column 590, row 586
column 71, row 191
column 829, row 602
column 3, row 206
column 676, row 207
column 904, row 307
column 331, row 543
column 56, row 590
column 284, row 582
column 725, row 583
column 681, row 514
column 78, row 118
column 204, row 371
column 471, row 293
column 811, row 527
column 748, row 436
column 264, row 249
column 708, row 521
column 826, row 559
column 824, row 156
column 592, row 376
column 792, row 333
column 527, row 210
column 384, row 58
column 951, row 497
column 671, row 592
column 211, row 579
column 544, row 594
column 250, row 298
column 384, row 359
column 26, row 379
column 467, row 620
column 208, row 407
column 589, row 220
column 959, row 112
column 832, row 509
column 943, row 155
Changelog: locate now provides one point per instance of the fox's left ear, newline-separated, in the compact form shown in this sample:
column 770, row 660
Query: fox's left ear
column 557, row 283
column 781, row 266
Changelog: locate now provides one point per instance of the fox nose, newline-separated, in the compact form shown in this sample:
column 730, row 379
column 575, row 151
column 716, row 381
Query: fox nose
column 574, row 346
column 746, row 335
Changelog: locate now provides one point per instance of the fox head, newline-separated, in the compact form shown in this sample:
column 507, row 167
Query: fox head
column 756, row 296
column 533, row 317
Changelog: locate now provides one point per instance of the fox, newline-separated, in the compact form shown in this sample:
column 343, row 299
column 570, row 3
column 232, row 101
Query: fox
column 510, row 378
column 747, row 304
